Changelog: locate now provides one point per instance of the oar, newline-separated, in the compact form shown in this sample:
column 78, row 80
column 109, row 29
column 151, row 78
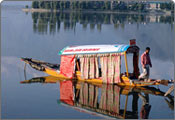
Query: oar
column 169, row 90
column 163, row 82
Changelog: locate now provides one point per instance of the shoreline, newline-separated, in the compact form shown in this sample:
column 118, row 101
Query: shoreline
column 98, row 11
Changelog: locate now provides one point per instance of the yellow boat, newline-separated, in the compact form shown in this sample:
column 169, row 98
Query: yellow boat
column 96, row 64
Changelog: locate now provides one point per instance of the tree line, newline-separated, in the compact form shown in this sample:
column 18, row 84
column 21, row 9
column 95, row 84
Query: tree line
column 97, row 5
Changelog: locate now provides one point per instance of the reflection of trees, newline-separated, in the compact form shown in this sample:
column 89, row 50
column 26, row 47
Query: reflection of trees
column 166, row 19
column 42, row 22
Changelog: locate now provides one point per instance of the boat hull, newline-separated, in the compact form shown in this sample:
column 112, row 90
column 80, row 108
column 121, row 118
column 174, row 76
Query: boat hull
column 50, row 69
column 126, row 81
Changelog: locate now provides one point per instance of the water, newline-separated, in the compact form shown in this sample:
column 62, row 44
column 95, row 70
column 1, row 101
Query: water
column 42, row 35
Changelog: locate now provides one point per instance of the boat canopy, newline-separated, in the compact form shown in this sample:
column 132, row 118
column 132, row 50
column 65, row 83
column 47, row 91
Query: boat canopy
column 98, row 49
column 88, row 58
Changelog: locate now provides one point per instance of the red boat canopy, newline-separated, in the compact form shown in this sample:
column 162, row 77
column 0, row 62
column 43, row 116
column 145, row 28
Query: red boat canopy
column 67, row 67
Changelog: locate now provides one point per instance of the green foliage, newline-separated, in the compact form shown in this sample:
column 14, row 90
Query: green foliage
column 167, row 6
column 96, row 5
column 107, row 5
column 35, row 4
column 48, row 5
column 41, row 4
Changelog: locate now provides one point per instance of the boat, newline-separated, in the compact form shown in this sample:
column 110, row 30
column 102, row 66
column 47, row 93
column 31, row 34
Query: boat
column 95, row 63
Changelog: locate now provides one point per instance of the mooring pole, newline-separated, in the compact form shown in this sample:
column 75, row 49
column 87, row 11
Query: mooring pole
column 25, row 72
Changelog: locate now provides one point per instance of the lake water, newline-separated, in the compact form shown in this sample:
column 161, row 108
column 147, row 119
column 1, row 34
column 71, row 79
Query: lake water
column 42, row 35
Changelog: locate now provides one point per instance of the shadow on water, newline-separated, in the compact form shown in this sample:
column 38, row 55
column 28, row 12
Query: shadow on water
column 105, row 100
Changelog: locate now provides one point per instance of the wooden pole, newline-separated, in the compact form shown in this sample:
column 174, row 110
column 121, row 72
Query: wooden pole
column 173, row 10
column 25, row 72
column 126, row 64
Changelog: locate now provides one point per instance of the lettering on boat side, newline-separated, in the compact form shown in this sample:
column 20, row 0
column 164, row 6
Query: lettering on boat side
column 78, row 50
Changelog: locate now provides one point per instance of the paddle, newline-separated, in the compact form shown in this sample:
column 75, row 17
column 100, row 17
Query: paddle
column 163, row 82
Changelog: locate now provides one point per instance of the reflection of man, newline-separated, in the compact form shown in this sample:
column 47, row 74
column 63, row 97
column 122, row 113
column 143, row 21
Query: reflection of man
column 135, row 105
column 146, row 63
column 144, row 113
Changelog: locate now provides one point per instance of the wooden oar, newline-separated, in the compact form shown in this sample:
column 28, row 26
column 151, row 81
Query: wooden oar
column 163, row 82
column 169, row 90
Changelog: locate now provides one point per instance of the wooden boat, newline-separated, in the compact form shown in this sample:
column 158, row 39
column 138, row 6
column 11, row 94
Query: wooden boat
column 74, row 65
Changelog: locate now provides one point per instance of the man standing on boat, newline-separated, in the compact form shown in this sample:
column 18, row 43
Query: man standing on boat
column 146, row 64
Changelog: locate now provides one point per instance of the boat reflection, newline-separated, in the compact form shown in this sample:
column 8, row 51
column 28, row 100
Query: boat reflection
column 45, row 79
column 105, row 100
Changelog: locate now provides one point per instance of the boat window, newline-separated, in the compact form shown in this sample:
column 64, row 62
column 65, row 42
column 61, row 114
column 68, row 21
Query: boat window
column 136, row 64
column 123, row 68
column 77, row 68
column 99, row 67
column 130, row 63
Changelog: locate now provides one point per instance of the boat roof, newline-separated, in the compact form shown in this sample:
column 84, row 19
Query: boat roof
column 96, row 49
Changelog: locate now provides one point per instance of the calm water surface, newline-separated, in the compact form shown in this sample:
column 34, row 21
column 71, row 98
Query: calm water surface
column 42, row 35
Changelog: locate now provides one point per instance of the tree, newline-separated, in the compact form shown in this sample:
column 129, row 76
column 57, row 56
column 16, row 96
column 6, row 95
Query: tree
column 56, row 5
column 95, row 5
column 107, row 5
column 47, row 5
column 141, row 7
column 61, row 5
column 67, row 4
column 42, row 4
column 35, row 4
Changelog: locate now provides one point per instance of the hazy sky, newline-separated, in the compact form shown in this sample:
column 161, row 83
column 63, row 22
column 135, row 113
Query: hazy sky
column 12, row 3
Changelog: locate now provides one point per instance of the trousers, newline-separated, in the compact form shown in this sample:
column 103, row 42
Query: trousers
column 146, row 72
